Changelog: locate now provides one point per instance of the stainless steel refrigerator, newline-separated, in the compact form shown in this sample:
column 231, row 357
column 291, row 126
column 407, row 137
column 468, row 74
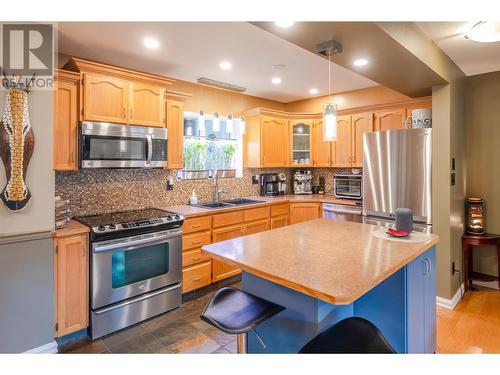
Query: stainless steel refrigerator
column 397, row 173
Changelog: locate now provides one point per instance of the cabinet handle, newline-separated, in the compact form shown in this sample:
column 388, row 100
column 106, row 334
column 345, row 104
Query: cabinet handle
column 197, row 279
column 196, row 242
column 131, row 113
column 429, row 262
column 195, row 259
column 124, row 112
column 195, row 225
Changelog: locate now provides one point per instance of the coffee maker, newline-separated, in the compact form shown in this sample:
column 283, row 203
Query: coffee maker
column 272, row 184
column 302, row 182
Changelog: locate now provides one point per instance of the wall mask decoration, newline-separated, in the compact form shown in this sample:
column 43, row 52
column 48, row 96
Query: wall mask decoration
column 16, row 142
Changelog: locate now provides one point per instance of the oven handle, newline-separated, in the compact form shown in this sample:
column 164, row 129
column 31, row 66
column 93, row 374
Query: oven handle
column 138, row 299
column 130, row 245
column 150, row 149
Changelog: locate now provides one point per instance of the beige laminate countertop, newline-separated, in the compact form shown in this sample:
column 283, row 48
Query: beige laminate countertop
column 335, row 261
column 191, row 211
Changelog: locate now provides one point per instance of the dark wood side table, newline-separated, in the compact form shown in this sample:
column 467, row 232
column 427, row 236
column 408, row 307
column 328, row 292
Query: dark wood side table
column 469, row 240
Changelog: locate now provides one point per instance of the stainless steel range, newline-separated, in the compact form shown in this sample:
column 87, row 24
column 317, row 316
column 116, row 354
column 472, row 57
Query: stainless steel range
column 135, row 268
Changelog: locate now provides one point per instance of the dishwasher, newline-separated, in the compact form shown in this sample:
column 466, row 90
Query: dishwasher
column 342, row 212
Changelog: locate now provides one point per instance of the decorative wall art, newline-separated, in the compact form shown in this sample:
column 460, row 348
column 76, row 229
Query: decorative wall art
column 16, row 142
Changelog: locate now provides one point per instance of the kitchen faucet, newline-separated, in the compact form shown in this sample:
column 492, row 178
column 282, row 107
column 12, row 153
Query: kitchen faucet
column 215, row 187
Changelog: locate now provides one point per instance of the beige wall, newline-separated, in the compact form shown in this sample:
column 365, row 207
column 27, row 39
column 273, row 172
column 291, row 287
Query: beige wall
column 38, row 215
column 483, row 144
column 376, row 95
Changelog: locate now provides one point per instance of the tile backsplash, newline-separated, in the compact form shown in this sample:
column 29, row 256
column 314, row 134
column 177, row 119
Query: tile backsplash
column 95, row 191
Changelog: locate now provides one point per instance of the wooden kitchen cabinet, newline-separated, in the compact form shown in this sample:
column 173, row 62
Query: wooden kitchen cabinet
column 66, row 121
column 361, row 124
column 196, row 276
column 279, row 221
column 301, row 143
column 146, row 105
column 221, row 270
column 390, row 119
column 322, row 150
column 256, row 226
column 343, row 144
column 300, row 212
column 175, row 129
column 266, row 142
column 71, row 264
column 105, row 99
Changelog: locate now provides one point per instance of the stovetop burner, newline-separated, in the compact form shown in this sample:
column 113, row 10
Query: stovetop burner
column 136, row 221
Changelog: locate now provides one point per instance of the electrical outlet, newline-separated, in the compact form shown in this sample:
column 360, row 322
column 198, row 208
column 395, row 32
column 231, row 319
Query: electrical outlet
column 453, row 269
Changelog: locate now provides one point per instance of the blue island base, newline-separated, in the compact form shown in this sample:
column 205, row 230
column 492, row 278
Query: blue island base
column 403, row 307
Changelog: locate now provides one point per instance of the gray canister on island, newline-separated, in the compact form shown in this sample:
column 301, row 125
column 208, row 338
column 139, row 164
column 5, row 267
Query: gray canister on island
column 404, row 219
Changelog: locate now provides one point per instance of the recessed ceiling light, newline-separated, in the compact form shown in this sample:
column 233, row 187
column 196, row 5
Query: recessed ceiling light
column 486, row 32
column 313, row 91
column 151, row 43
column 276, row 80
column 225, row 65
column 284, row 23
column 360, row 62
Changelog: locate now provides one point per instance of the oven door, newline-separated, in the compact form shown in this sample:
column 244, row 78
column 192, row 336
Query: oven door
column 127, row 267
column 122, row 146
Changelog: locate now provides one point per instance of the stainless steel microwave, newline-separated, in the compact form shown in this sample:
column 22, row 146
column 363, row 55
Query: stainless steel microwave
column 348, row 186
column 105, row 145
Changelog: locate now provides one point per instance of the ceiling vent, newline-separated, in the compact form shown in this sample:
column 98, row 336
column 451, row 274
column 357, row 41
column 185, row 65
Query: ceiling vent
column 221, row 85
column 329, row 47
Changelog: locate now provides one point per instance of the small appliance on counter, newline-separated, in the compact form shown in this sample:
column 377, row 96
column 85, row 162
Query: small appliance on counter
column 302, row 182
column 272, row 184
column 348, row 186
column 321, row 186
column 135, row 267
column 63, row 214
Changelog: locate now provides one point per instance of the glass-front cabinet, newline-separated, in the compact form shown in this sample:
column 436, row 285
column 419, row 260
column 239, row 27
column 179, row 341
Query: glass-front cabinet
column 301, row 143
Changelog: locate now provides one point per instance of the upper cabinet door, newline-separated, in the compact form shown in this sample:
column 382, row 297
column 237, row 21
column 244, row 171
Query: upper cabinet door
column 175, row 134
column 146, row 105
column 105, row 99
column 301, row 142
column 361, row 123
column 390, row 120
column 322, row 150
column 65, row 126
column 343, row 144
column 274, row 142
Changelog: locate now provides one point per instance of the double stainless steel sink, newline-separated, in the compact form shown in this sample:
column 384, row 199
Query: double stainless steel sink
column 228, row 203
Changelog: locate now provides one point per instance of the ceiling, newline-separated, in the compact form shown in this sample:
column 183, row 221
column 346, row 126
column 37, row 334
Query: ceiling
column 190, row 50
column 471, row 57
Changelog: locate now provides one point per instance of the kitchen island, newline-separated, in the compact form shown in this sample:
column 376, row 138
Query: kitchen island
column 323, row 271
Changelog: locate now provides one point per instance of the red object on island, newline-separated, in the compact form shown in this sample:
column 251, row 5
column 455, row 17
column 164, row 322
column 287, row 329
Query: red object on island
column 398, row 233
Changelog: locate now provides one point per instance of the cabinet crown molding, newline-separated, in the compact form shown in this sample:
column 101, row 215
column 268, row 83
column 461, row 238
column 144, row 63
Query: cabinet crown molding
column 86, row 66
column 175, row 95
column 66, row 76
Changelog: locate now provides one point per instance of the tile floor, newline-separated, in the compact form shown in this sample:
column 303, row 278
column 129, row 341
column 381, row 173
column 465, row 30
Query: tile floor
column 177, row 331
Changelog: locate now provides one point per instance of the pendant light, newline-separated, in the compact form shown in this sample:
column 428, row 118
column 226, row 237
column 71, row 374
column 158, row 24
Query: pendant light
column 330, row 110
column 216, row 122
column 229, row 123
column 201, row 124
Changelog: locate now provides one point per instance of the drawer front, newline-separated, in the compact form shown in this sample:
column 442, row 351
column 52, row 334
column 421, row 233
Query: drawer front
column 257, row 226
column 256, row 213
column 193, row 256
column 279, row 221
column 197, row 224
column 196, row 276
column 279, row 209
column 229, row 218
column 192, row 241
column 227, row 233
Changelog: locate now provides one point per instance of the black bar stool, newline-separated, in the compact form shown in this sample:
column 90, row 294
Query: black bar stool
column 349, row 336
column 237, row 312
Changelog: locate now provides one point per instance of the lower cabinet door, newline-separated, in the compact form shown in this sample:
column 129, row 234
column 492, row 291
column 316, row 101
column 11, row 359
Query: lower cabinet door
column 421, row 303
column 279, row 221
column 221, row 270
column 256, row 226
column 71, row 282
column 300, row 212
column 196, row 276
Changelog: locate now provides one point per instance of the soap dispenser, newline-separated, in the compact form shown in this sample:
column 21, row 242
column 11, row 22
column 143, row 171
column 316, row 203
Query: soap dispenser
column 193, row 199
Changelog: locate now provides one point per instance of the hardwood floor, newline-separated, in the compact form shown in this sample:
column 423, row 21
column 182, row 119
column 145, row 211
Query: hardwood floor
column 474, row 325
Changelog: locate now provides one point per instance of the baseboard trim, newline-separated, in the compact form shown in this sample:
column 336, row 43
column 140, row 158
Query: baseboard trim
column 450, row 304
column 50, row 348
